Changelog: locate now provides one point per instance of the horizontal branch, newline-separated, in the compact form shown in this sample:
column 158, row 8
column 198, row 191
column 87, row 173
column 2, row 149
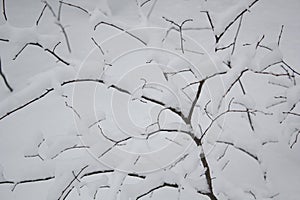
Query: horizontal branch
column 175, row 111
column 292, row 113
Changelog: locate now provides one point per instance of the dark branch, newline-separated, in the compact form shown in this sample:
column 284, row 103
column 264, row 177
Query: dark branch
column 40, row 16
column 28, row 181
column 241, row 149
column 156, row 188
column 75, row 178
column 235, row 19
column 236, row 35
column 121, row 29
column 4, row 78
column 179, row 26
column 201, row 83
column 75, row 6
column 99, row 47
column 205, row 164
column 280, row 34
column 4, row 12
column 144, row 3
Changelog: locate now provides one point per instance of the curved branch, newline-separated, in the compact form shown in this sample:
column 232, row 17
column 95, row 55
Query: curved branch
column 121, row 29
column 75, row 6
column 240, row 149
column 157, row 188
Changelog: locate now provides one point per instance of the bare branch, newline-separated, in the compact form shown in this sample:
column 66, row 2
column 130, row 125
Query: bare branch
column 99, row 47
column 4, row 40
column 73, row 109
column 224, row 48
column 4, row 78
column 235, row 19
column 208, row 177
column 45, row 49
column 157, row 188
column 40, row 16
column 292, row 113
column 201, row 83
column 3, row 11
column 58, row 23
column 209, row 20
column 75, row 6
column 231, row 86
column 290, row 67
column 179, row 26
column 295, row 140
column 96, row 122
column 275, row 104
column 75, row 178
column 59, row 10
column 27, row 181
column 65, row 35
column 144, row 3
column 76, row 146
column 236, row 35
column 280, row 34
column 34, row 156
column 121, row 29
column 50, row 8
column 56, row 46
column 258, row 43
column 168, row 130
column 241, row 149
column 151, row 9
column 223, row 154
column 191, row 51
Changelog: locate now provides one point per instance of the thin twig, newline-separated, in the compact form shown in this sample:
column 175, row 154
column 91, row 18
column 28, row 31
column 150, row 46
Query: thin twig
column 280, row 34
column 121, row 29
column 241, row 149
column 236, row 35
column 151, row 9
column 142, row 4
column 99, row 47
column 59, row 10
column 180, row 29
column 292, row 113
column 40, row 16
column 73, row 109
column 290, row 68
column 223, row 48
column 75, row 6
column 58, row 23
column 233, row 21
column 295, row 140
column 4, row 78
column 65, row 35
column 4, row 12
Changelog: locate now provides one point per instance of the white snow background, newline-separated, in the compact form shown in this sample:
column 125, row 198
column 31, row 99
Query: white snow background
column 35, row 70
